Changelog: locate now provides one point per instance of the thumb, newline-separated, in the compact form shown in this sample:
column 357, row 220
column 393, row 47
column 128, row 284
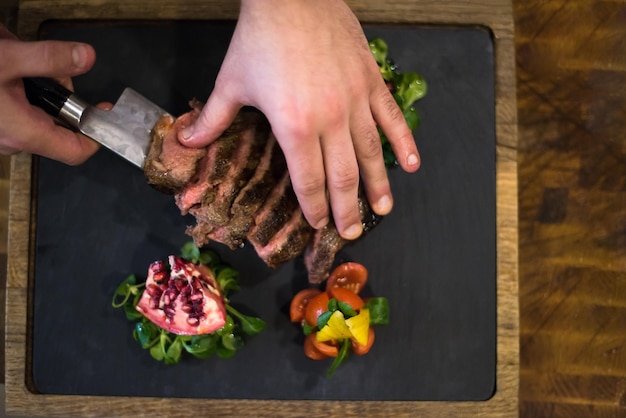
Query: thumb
column 55, row 59
column 216, row 116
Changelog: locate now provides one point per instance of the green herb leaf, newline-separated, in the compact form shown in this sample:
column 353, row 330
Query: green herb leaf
column 379, row 310
column 249, row 324
column 131, row 313
column 172, row 355
column 346, row 310
column 228, row 327
column 341, row 357
column 124, row 291
column 379, row 50
column 410, row 87
column 231, row 341
column 202, row 346
column 190, row 252
column 332, row 304
column 157, row 352
column 322, row 320
column 227, row 278
column 308, row 329
column 146, row 333
column 224, row 353
column 411, row 117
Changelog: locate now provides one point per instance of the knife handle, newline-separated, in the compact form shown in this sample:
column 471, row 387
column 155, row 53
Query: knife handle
column 55, row 99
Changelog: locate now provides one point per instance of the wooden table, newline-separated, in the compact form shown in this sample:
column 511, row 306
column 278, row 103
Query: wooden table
column 571, row 79
column 571, row 87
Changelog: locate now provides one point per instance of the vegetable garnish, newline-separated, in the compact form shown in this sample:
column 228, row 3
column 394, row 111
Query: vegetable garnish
column 338, row 321
column 198, row 282
column 407, row 88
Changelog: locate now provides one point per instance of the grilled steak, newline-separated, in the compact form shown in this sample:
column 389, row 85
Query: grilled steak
column 271, row 168
column 238, row 188
column 169, row 165
column 326, row 243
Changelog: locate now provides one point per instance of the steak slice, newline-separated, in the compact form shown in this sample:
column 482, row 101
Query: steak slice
column 249, row 148
column 326, row 243
column 213, row 168
column 272, row 166
column 170, row 165
column 275, row 212
column 288, row 243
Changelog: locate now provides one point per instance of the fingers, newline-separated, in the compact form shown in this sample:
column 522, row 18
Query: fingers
column 216, row 116
column 306, row 169
column 371, row 163
column 54, row 59
column 391, row 120
column 43, row 137
column 342, row 177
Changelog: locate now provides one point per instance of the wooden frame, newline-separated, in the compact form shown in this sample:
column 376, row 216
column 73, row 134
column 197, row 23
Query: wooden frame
column 497, row 15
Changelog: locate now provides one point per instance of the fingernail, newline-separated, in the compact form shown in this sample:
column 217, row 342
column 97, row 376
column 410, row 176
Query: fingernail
column 79, row 56
column 353, row 231
column 321, row 224
column 413, row 159
column 187, row 133
column 383, row 206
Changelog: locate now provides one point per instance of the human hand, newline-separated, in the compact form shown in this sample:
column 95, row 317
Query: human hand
column 24, row 127
column 307, row 66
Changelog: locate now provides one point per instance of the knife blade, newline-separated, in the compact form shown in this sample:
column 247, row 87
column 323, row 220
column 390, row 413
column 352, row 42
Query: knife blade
column 125, row 129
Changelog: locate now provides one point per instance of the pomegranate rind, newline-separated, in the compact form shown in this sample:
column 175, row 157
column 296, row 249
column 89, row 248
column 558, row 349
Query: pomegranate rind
column 213, row 313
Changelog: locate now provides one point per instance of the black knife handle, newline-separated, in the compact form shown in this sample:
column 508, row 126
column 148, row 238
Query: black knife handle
column 46, row 94
column 55, row 99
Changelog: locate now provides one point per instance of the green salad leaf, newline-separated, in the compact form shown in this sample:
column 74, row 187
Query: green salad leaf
column 406, row 88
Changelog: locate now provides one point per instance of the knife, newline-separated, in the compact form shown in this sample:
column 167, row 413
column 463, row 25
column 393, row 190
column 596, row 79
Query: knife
column 125, row 129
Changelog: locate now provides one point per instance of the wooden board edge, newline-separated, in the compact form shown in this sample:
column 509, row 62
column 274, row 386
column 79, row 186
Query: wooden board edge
column 494, row 14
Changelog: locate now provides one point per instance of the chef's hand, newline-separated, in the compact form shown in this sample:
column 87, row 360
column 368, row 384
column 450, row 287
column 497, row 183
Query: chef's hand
column 27, row 128
column 307, row 66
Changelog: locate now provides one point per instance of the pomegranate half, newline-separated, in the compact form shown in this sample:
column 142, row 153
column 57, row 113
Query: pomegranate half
column 182, row 298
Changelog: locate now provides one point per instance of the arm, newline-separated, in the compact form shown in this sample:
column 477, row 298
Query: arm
column 307, row 66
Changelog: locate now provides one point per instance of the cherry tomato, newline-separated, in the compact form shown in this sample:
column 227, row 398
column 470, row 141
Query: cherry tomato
column 299, row 303
column 326, row 348
column 347, row 296
column 316, row 306
column 310, row 350
column 351, row 275
column 359, row 349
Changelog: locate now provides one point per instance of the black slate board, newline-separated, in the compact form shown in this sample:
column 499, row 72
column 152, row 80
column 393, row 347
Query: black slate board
column 434, row 257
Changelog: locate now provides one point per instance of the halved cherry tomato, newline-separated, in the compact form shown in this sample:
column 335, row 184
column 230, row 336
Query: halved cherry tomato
column 347, row 296
column 310, row 350
column 300, row 302
column 351, row 275
column 360, row 349
column 316, row 306
column 326, row 347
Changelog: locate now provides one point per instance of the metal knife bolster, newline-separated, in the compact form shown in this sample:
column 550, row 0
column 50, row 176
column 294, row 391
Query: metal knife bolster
column 72, row 111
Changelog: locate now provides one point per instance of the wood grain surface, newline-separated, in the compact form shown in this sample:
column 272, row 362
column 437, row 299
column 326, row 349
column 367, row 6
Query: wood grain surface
column 571, row 104
column 571, row 87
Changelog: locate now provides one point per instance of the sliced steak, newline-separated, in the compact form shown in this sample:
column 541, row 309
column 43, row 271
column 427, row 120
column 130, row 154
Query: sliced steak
column 214, row 167
column 288, row 243
column 170, row 165
column 275, row 212
column 239, row 188
column 326, row 243
column 271, row 168
column 249, row 147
